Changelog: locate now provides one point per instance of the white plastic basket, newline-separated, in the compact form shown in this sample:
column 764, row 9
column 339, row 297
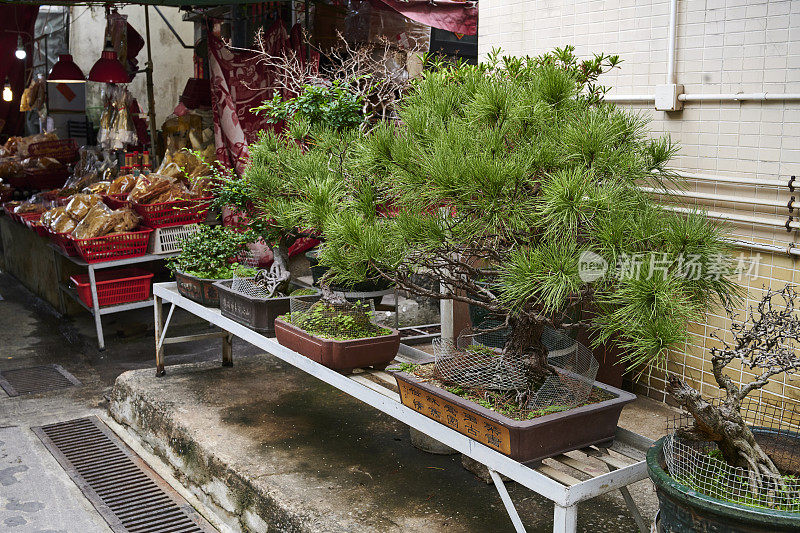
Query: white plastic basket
column 168, row 240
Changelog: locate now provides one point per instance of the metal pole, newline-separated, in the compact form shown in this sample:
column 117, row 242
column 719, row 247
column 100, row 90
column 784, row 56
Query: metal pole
column 151, row 104
column 308, row 31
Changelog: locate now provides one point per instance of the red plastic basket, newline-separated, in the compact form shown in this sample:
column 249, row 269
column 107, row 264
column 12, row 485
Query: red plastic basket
column 44, row 179
column 65, row 150
column 111, row 247
column 174, row 213
column 115, row 286
column 24, row 218
column 63, row 241
column 115, row 201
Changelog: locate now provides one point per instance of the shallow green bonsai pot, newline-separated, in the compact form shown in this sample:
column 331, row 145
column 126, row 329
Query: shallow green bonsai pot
column 683, row 510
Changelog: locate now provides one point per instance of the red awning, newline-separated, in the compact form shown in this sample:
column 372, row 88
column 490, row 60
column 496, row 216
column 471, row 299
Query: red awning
column 450, row 15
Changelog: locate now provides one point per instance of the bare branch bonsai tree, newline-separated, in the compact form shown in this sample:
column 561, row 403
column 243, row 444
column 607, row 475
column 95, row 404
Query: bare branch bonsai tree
column 766, row 342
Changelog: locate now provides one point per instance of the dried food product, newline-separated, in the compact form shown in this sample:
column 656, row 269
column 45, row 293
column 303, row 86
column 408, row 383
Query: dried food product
column 149, row 187
column 50, row 215
column 98, row 221
column 24, row 143
column 124, row 220
column 50, row 163
column 122, row 185
column 12, row 145
column 176, row 192
column 10, row 167
column 80, row 204
column 171, row 170
column 101, row 187
column 63, row 224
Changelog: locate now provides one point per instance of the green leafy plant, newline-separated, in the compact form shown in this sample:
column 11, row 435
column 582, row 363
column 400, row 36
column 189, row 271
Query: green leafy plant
column 211, row 253
column 332, row 106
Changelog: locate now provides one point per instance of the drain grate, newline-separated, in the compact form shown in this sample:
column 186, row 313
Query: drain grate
column 36, row 379
column 129, row 495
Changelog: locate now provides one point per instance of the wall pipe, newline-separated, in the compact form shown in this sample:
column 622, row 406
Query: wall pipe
column 735, row 217
column 789, row 249
column 739, row 97
column 789, row 183
column 721, row 198
column 672, row 42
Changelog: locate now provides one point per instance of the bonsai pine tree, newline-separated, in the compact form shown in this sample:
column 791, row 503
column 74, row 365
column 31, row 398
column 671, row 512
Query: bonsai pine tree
column 766, row 343
column 503, row 179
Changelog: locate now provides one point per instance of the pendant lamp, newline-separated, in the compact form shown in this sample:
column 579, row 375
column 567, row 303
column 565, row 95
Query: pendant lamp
column 8, row 94
column 20, row 52
column 108, row 69
column 66, row 71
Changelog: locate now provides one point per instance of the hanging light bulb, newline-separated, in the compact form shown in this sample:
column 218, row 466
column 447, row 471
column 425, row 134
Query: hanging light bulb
column 8, row 94
column 20, row 53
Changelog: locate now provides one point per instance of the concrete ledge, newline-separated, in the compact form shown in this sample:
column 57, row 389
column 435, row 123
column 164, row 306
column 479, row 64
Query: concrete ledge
column 269, row 448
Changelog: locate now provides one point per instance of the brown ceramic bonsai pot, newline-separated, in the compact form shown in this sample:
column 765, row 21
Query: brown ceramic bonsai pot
column 342, row 356
column 523, row 440
column 200, row 290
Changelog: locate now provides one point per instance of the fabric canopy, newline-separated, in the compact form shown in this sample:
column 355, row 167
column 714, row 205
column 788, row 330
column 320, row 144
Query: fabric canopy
column 450, row 15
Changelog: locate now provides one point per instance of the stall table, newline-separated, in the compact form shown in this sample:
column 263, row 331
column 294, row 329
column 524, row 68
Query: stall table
column 96, row 311
column 625, row 458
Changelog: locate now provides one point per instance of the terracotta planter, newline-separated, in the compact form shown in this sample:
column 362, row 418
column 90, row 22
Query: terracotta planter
column 523, row 440
column 200, row 290
column 343, row 356
column 683, row 510
column 258, row 314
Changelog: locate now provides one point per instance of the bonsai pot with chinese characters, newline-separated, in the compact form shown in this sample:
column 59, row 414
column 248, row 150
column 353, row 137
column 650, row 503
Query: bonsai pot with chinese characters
column 471, row 390
column 337, row 334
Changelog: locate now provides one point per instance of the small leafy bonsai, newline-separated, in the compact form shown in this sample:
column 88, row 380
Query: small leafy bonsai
column 211, row 253
column 765, row 343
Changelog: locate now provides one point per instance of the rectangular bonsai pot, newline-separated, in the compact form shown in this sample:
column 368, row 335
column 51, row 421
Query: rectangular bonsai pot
column 258, row 314
column 522, row 440
column 343, row 356
column 200, row 290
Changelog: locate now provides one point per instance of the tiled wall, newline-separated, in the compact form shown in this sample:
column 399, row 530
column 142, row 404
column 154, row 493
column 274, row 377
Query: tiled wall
column 723, row 46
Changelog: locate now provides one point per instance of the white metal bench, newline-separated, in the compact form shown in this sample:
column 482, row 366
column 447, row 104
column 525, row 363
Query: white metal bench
column 557, row 479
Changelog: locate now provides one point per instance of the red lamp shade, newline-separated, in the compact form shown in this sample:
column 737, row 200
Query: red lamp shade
column 108, row 69
column 66, row 71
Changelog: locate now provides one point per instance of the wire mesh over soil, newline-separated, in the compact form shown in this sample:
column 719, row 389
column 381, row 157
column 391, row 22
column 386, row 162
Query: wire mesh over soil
column 699, row 465
column 506, row 403
column 477, row 360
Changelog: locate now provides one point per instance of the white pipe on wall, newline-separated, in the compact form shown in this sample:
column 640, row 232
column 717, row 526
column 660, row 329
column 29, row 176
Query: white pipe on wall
column 731, row 179
column 672, row 41
column 717, row 197
column 735, row 217
column 769, row 248
column 739, row 97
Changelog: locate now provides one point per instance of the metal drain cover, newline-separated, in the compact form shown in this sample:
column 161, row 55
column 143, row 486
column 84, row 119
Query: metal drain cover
column 36, row 379
column 129, row 495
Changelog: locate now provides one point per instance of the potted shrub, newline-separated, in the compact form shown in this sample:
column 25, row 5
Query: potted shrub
column 517, row 172
column 338, row 334
column 208, row 256
column 730, row 465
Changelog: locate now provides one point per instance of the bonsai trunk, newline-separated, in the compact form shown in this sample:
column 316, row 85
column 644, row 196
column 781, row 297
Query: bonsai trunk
column 724, row 425
column 526, row 339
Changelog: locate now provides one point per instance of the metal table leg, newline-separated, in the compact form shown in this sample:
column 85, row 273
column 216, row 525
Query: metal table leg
column 62, row 305
column 512, row 511
column 565, row 519
column 227, row 350
column 158, row 313
column 98, row 324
